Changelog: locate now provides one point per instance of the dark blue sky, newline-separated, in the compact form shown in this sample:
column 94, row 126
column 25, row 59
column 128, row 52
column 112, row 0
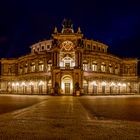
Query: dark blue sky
column 113, row 22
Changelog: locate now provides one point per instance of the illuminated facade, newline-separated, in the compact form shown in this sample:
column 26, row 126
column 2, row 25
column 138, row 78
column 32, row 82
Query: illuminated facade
column 69, row 64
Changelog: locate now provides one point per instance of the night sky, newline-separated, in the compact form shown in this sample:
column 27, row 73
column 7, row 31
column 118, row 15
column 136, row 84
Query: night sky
column 113, row 22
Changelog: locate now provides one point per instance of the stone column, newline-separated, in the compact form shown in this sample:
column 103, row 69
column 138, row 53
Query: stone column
column 78, row 58
column 58, row 63
column 99, row 66
column 107, row 67
column 36, row 65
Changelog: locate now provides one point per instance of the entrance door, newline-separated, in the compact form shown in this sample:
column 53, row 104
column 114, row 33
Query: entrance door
column 66, row 85
column 67, row 88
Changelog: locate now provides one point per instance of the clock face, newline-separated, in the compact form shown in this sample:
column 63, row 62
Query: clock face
column 67, row 45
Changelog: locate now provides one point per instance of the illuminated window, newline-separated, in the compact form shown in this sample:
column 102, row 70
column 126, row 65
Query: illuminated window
column 110, row 68
column 94, row 66
column 128, row 70
column 41, row 67
column 49, row 67
column 33, row 68
column 116, row 70
column 85, row 67
column 103, row 67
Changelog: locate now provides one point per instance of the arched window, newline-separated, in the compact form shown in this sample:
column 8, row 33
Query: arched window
column 110, row 68
column 94, row 47
column 103, row 67
column 33, row 67
column 85, row 65
column 116, row 70
column 49, row 65
column 41, row 66
column 94, row 66
column 20, row 70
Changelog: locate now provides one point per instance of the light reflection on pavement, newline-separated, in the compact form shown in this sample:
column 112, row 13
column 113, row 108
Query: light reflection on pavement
column 68, row 117
column 110, row 107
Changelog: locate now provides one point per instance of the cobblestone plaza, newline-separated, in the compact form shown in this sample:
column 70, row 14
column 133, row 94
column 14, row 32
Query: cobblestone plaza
column 68, row 117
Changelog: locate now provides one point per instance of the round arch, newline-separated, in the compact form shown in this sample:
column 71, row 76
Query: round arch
column 67, row 85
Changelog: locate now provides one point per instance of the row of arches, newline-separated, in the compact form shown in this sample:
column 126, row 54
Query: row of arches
column 101, row 67
column 109, row 87
column 34, row 66
column 29, row 87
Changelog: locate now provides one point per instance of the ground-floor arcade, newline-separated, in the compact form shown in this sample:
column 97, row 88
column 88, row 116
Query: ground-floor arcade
column 66, row 87
column 110, row 87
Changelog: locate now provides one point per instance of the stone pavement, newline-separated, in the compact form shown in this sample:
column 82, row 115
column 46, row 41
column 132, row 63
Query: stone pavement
column 63, row 118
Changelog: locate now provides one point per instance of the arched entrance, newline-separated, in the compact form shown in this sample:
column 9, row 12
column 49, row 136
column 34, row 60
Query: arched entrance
column 67, row 85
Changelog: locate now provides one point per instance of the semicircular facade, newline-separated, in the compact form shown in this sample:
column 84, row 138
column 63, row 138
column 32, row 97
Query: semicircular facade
column 69, row 64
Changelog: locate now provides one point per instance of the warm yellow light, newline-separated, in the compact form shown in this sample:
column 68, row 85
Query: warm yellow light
column 23, row 84
column 94, row 83
column 112, row 84
column 62, row 86
column 13, row 84
column 119, row 84
column 61, row 64
column 17, row 84
column 124, row 85
column 31, row 84
column 71, row 86
column 41, row 83
column 103, row 83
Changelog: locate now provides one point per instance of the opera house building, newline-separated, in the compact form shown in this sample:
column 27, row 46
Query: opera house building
column 69, row 64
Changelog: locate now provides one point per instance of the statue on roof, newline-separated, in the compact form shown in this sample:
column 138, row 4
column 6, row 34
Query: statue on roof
column 67, row 26
column 67, row 23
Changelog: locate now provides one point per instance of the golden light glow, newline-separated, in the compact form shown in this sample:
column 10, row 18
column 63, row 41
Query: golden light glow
column 31, row 83
column 66, row 79
column 119, row 84
column 23, row 84
column 94, row 83
column 17, row 84
column 13, row 84
column 103, row 83
column 124, row 85
column 112, row 84
column 41, row 83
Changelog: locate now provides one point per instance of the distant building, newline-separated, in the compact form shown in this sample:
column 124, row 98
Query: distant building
column 69, row 64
